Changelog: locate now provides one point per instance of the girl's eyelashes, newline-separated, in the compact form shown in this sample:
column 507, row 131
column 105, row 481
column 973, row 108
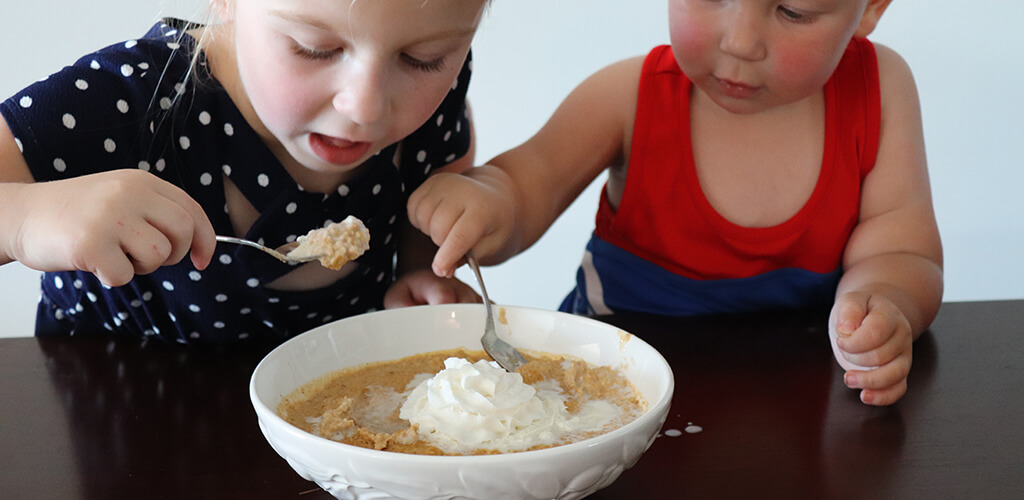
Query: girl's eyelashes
column 312, row 54
column 430, row 66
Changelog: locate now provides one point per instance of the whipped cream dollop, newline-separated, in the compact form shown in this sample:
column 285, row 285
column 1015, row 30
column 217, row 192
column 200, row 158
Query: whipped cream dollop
column 473, row 406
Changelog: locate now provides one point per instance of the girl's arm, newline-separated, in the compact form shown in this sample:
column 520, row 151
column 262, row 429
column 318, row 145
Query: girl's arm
column 113, row 224
column 891, row 288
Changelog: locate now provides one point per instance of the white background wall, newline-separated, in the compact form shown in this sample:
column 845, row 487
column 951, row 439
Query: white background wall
column 531, row 53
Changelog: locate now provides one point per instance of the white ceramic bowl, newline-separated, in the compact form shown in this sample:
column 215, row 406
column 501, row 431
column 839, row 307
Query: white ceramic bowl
column 570, row 471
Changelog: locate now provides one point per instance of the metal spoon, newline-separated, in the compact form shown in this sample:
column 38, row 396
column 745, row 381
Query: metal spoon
column 507, row 356
column 280, row 253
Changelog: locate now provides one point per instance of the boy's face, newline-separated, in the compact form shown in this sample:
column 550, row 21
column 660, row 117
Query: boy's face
column 752, row 55
column 335, row 81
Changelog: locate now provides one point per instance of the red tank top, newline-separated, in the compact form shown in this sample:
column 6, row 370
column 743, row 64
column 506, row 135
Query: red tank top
column 665, row 218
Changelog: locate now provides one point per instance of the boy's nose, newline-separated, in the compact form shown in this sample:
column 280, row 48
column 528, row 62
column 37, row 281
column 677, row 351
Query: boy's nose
column 742, row 38
column 362, row 96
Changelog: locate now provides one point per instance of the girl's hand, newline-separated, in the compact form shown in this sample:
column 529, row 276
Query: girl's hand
column 424, row 287
column 462, row 212
column 113, row 224
column 873, row 341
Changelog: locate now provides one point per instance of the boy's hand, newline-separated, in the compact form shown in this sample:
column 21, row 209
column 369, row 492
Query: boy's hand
column 424, row 287
column 872, row 340
column 462, row 212
column 113, row 224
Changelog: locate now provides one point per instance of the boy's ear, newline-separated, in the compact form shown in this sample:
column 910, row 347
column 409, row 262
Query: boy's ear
column 872, row 13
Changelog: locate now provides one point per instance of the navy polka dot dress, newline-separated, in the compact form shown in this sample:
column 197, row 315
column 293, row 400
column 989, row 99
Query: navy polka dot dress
column 133, row 105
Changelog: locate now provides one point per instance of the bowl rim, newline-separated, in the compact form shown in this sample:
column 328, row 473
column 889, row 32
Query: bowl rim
column 658, row 407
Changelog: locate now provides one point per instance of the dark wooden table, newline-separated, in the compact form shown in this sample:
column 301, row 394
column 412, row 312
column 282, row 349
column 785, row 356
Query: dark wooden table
column 100, row 418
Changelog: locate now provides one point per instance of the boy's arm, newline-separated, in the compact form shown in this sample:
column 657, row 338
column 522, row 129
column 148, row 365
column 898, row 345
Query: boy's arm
column 502, row 208
column 895, row 250
column 891, row 287
column 13, row 173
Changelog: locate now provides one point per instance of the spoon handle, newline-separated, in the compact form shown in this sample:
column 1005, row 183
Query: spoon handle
column 239, row 241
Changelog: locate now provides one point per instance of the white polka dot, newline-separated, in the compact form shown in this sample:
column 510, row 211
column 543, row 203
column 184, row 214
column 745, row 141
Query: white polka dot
column 218, row 324
column 58, row 314
column 173, row 45
column 380, row 277
column 194, row 335
column 147, row 296
column 229, row 129
column 77, row 284
column 165, row 103
column 220, row 297
column 57, row 282
column 245, row 310
column 263, row 180
column 195, row 275
column 291, row 208
column 91, row 296
column 123, row 315
column 109, row 145
column 450, row 158
column 59, row 165
column 25, row 102
column 243, row 336
column 168, row 286
column 144, row 165
column 69, row 120
column 387, row 239
column 81, row 84
column 440, row 119
column 184, row 142
column 226, row 169
column 343, row 190
column 206, row 179
column 426, row 170
column 225, row 259
column 127, row 70
column 204, row 118
column 179, row 88
column 122, row 106
column 354, row 301
column 447, row 136
column 136, row 303
column 130, row 43
column 252, row 282
column 143, row 65
column 274, row 300
column 458, row 127
column 161, row 165
column 376, row 189
column 421, row 156
column 94, row 64
column 194, row 308
column 21, row 147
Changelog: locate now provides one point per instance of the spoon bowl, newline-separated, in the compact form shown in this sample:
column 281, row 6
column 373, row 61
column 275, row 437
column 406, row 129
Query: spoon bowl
column 502, row 352
column 280, row 253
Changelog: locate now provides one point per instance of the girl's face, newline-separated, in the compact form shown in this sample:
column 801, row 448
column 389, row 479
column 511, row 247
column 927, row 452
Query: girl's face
column 333, row 82
column 752, row 55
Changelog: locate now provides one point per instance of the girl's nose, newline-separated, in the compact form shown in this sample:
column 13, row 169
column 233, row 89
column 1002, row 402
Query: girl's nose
column 742, row 37
column 362, row 95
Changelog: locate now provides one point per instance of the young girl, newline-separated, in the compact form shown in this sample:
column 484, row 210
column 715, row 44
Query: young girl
column 770, row 157
column 281, row 118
